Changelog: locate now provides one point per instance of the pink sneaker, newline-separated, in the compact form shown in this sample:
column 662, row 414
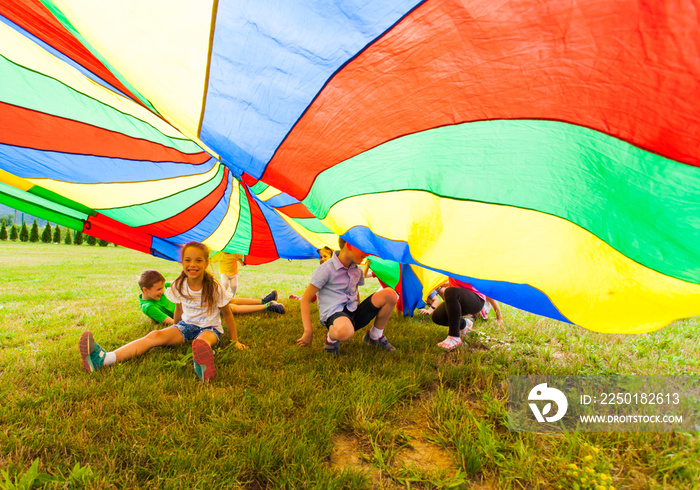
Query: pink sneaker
column 203, row 360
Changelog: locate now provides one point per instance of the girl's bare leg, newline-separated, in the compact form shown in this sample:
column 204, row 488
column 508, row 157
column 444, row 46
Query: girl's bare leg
column 168, row 336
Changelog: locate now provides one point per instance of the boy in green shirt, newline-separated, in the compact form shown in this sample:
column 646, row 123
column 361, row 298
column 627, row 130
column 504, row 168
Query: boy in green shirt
column 154, row 304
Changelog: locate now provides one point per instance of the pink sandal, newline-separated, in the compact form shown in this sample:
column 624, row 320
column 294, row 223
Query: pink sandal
column 450, row 343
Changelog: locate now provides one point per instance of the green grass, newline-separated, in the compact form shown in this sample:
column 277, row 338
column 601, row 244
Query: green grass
column 284, row 417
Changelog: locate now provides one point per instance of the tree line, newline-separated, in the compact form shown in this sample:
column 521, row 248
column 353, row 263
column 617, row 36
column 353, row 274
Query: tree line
column 48, row 234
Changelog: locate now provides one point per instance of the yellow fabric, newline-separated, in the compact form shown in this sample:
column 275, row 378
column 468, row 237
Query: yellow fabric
column 115, row 195
column 590, row 283
column 223, row 233
column 318, row 240
column 20, row 49
column 269, row 193
column 160, row 46
column 429, row 278
column 14, row 181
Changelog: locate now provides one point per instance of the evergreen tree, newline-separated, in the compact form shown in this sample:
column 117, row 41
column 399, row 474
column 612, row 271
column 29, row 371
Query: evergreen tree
column 14, row 234
column 69, row 237
column 3, row 232
column 79, row 238
column 24, row 233
column 103, row 243
column 91, row 240
column 47, row 233
column 57, row 235
column 34, row 234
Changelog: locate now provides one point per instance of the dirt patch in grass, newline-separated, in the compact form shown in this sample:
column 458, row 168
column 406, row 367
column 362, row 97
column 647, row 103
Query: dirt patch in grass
column 423, row 453
column 416, row 453
column 348, row 452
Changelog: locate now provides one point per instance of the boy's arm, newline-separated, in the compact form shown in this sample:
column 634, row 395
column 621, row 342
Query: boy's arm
column 231, row 325
column 156, row 314
column 307, row 336
column 497, row 309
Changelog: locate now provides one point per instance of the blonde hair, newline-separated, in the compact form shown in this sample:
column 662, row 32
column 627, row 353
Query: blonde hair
column 209, row 284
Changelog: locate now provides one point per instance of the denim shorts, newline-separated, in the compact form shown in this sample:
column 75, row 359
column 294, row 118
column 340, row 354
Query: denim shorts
column 191, row 332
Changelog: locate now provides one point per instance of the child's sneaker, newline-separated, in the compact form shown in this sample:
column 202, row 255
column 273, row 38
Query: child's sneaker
column 332, row 349
column 381, row 342
column 271, row 296
column 468, row 324
column 203, row 360
column 276, row 307
column 93, row 355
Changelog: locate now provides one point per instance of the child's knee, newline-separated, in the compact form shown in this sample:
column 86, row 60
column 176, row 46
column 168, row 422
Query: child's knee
column 387, row 296
column 157, row 337
column 209, row 337
column 342, row 330
column 451, row 294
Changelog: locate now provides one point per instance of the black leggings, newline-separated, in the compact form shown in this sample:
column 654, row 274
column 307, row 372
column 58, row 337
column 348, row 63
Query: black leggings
column 458, row 302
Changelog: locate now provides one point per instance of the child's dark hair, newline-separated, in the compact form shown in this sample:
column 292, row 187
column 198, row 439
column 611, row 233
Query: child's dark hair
column 209, row 284
column 149, row 277
column 341, row 243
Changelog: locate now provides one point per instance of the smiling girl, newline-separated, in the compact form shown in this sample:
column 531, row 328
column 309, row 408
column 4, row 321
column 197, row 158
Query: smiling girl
column 199, row 299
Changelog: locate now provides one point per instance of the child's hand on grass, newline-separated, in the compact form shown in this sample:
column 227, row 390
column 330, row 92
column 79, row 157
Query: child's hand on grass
column 237, row 345
column 305, row 339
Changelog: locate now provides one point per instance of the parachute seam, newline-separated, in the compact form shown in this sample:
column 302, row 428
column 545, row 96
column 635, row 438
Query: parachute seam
column 332, row 76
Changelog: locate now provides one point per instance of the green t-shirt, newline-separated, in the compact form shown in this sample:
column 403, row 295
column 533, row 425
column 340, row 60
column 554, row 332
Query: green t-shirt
column 158, row 310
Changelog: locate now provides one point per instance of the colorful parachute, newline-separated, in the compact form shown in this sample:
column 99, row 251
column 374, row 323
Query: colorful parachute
column 545, row 151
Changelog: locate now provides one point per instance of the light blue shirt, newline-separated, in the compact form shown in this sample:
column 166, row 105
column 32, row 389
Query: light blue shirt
column 337, row 286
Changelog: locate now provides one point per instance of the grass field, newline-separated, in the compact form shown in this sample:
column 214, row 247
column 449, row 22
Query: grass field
column 278, row 416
